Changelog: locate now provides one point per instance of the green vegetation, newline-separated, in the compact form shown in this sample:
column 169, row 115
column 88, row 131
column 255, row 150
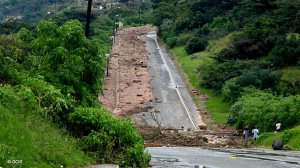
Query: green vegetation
column 256, row 105
column 54, row 74
column 50, row 80
column 218, row 109
column 26, row 136
column 253, row 47
column 187, row 64
column 290, row 137
column 33, row 10
column 134, row 16
column 291, row 76
column 101, row 30
column 109, row 139
column 216, row 46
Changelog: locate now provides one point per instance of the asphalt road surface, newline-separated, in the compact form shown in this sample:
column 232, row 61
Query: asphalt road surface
column 174, row 107
column 185, row 157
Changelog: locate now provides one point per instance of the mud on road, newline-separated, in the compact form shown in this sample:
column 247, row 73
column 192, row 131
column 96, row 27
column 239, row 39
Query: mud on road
column 127, row 86
column 128, row 91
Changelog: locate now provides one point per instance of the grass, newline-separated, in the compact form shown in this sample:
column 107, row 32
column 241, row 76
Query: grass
column 291, row 74
column 218, row 109
column 37, row 143
column 216, row 46
column 266, row 139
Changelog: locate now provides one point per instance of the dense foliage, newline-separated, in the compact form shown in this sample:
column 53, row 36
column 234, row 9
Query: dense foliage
column 54, row 74
column 109, row 139
column 261, row 51
column 262, row 109
column 64, row 57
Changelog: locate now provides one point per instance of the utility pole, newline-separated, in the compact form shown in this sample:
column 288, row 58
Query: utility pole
column 55, row 6
column 88, row 19
column 139, row 11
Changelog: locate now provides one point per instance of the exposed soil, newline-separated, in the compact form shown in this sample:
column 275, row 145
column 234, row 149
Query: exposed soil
column 127, row 86
column 205, row 138
column 127, row 89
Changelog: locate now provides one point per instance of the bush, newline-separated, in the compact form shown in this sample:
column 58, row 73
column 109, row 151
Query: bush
column 100, row 144
column 262, row 109
column 135, row 156
column 214, row 75
column 167, row 30
column 226, row 55
column 231, row 90
column 137, row 19
column 18, row 99
column 257, row 40
column 288, row 135
column 171, row 42
column 259, row 78
column 55, row 105
column 107, row 135
column 195, row 44
column 183, row 39
column 286, row 52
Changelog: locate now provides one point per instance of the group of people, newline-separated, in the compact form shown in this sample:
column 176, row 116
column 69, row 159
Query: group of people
column 246, row 133
column 255, row 131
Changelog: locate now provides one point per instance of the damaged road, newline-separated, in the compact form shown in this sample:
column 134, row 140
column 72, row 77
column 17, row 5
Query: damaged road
column 173, row 106
column 144, row 84
column 184, row 157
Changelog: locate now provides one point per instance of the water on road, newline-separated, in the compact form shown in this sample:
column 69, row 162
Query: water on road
column 181, row 157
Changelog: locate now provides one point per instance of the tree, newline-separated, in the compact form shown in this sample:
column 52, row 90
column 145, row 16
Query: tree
column 64, row 56
column 164, row 11
column 195, row 44
column 286, row 52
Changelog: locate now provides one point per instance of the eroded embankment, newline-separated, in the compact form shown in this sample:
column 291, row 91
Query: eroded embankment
column 127, row 86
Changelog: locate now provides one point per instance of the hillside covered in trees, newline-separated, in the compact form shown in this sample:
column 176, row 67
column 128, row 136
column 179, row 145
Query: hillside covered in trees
column 50, row 78
column 32, row 9
column 249, row 52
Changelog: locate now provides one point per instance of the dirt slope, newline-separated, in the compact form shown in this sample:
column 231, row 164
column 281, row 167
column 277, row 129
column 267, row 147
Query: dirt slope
column 127, row 87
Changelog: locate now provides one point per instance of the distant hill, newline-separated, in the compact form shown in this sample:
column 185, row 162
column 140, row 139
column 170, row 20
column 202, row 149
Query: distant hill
column 33, row 9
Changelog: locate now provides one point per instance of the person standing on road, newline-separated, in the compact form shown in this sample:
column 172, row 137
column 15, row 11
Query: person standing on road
column 255, row 133
column 278, row 127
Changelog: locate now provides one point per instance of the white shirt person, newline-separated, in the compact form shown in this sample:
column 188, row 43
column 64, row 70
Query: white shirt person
column 255, row 133
column 278, row 126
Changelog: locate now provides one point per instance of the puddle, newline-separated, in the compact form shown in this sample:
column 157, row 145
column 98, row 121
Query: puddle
column 169, row 160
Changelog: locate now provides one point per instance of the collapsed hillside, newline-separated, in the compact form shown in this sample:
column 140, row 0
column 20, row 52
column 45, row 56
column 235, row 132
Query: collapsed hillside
column 127, row 86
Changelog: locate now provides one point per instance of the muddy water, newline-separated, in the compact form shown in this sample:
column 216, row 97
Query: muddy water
column 164, row 157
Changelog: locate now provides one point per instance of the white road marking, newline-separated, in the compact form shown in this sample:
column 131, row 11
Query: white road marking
column 154, row 37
